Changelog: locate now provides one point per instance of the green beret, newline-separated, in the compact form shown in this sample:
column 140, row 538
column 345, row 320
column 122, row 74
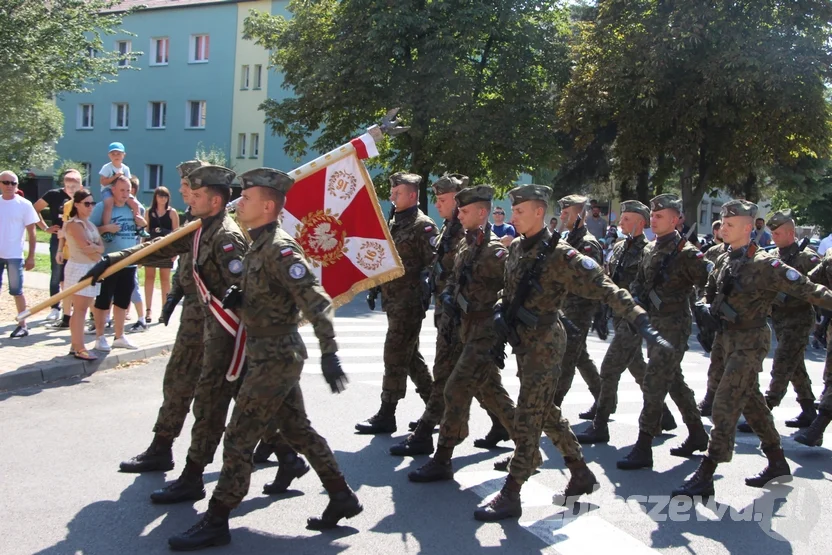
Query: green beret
column 450, row 183
column 738, row 208
column 665, row 202
column 187, row 167
column 779, row 218
column 404, row 178
column 480, row 193
column 636, row 207
column 266, row 177
column 216, row 176
column 572, row 200
column 524, row 193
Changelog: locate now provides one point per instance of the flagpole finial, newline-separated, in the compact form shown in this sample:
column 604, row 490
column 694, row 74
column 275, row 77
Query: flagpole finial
column 388, row 126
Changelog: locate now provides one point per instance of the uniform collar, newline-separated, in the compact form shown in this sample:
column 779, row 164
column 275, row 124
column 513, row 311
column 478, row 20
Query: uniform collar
column 257, row 231
column 527, row 242
column 405, row 214
column 671, row 237
column 209, row 221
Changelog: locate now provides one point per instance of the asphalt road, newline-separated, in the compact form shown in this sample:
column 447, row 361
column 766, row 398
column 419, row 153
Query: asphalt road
column 61, row 492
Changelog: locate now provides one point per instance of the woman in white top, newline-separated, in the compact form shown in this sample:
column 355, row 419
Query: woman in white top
column 85, row 248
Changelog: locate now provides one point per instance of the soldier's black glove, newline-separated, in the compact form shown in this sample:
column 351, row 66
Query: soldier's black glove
column 448, row 305
column 505, row 332
column 707, row 324
column 99, row 268
column 371, row 298
column 169, row 306
column 649, row 333
column 333, row 373
column 233, row 298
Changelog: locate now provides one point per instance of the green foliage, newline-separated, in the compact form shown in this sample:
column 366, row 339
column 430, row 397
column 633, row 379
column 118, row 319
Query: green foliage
column 213, row 155
column 478, row 82
column 63, row 165
column 30, row 131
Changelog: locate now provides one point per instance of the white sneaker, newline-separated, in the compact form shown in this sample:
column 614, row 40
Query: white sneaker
column 124, row 343
column 54, row 314
column 102, row 345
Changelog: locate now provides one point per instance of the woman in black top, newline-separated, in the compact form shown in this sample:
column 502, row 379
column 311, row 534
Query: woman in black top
column 162, row 220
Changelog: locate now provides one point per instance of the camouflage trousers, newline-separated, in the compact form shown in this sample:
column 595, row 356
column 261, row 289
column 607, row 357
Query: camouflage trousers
column 536, row 413
column 447, row 355
column 270, row 396
column 717, row 363
column 213, row 393
column 664, row 376
column 826, row 396
column 739, row 392
column 624, row 352
column 576, row 356
column 402, row 357
column 182, row 370
column 792, row 333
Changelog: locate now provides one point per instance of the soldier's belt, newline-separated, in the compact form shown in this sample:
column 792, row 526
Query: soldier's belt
column 755, row 323
column 271, row 331
column 791, row 308
column 472, row 309
column 533, row 321
column 477, row 314
column 657, row 305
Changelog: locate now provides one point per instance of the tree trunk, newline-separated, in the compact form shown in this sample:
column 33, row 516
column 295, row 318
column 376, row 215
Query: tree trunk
column 625, row 191
column 750, row 189
column 643, row 183
column 693, row 191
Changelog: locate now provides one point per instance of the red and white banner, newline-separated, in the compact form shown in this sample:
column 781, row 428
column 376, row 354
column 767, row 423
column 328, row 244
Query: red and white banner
column 335, row 216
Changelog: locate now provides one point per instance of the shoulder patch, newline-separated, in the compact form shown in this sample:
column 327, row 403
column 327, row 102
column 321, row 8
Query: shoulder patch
column 700, row 254
column 428, row 228
column 228, row 248
column 792, row 274
column 570, row 254
column 235, row 266
column 814, row 259
column 710, row 267
column 297, row 270
column 589, row 264
column 588, row 248
column 776, row 263
column 286, row 252
column 432, row 240
column 500, row 253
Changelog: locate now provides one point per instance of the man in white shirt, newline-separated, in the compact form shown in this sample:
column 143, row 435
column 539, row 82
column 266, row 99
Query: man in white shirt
column 825, row 243
column 17, row 218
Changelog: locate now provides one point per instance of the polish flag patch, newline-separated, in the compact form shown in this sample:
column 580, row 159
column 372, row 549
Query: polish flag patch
column 228, row 248
column 700, row 254
column 428, row 228
column 286, row 252
column 776, row 263
column 500, row 254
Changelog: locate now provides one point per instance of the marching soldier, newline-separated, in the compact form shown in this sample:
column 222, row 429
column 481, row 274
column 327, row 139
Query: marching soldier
column 715, row 368
column 277, row 286
column 579, row 311
column 467, row 301
column 669, row 270
column 625, row 349
column 539, row 273
column 405, row 300
column 741, row 295
column 217, row 248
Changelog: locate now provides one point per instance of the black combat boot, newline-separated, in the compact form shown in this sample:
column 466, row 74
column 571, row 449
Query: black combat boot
column 211, row 530
column 495, row 435
column 420, row 442
column 291, row 466
column 697, row 440
column 262, row 452
column 382, row 422
column 581, row 482
column 597, row 432
column 438, row 468
column 188, row 487
column 777, row 467
column 157, row 457
column 505, row 505
column 501, row 465
column 813, row 435
column 701, row 484
column 343, row 503
column 668, row 422
column 589, row 414
column 806, row 416
column 707, row 404
column 641, row 456
column 745, row 427
column 413, row 424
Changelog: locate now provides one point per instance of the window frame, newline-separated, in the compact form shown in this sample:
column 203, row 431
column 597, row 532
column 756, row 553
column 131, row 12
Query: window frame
column 79, row 121
column 203, row 108
column 154, row 51
column 241, row 145
column 87, row 167
column 258, row 77
column 245, row 77
column 129, row 43
column 163, row 112
column 204, row 52
column 254, row 145
column 148, row 173
column 114, row 116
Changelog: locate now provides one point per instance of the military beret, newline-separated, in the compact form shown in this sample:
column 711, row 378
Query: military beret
column 665, row 202
column 450, row 183
column 480, row 193
column 636, row 207
column 779, row 218
column 187, row 167
column 404, row 178
column 738, row 208
column 572, row 200
column 266, row 177
column 525, row 193
column 216, row 176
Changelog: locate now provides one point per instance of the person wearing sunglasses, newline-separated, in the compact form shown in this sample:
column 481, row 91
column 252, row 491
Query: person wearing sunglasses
column 501, row 229
column 17, row 220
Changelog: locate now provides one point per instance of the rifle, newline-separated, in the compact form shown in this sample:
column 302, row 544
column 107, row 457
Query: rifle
column 572, row 238
column 781, row 297
column 616, row 275
column 452, row 228
column 661, row 276
column 516, row 312
column 374, row 292
column 465, row 274
column 721, row 309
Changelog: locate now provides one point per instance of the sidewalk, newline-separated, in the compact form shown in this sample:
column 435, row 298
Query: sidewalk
column 42, row 356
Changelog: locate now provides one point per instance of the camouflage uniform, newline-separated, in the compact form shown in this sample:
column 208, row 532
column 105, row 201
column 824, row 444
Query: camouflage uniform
column 717, row 356
column 822, row 275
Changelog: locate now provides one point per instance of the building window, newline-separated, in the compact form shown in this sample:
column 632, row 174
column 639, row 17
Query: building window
column 159, row 48
column 120, row 116
column 258, row 76
column 200, row 48
column 241, row 145
column 153, row 176
column 86, row 169
column 245, row 74
column 124, row 48
column 254, row 151
column 85, row 117
column 92, row 52
column 157, row 113
column 195, row 114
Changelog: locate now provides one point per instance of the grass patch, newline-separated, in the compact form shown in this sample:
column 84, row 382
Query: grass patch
column 42, row 236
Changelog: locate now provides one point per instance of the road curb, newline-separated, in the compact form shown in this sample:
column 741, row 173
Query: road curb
column 70, row 367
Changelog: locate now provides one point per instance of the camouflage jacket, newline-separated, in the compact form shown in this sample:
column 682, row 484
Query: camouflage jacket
column 184, row 277
column 447, row 244
column 741, row 292
column 476, row 280
column 802, row 261
column 278, row 285
column 576, row 307
column 822, row 273
column 625, row 260
column 414, row 235
column 713, row 253
column 669, row 293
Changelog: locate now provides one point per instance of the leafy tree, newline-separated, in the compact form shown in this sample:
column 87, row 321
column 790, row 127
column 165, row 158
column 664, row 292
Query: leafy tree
column 717, row 92
column 478, row 82
column 212, row 155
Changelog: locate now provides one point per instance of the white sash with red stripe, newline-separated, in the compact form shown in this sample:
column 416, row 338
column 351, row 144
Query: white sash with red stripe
column 225, row 317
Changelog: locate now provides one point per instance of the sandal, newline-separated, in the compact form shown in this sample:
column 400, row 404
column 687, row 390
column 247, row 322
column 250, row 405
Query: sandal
column 84, row 354
column 147, row 315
